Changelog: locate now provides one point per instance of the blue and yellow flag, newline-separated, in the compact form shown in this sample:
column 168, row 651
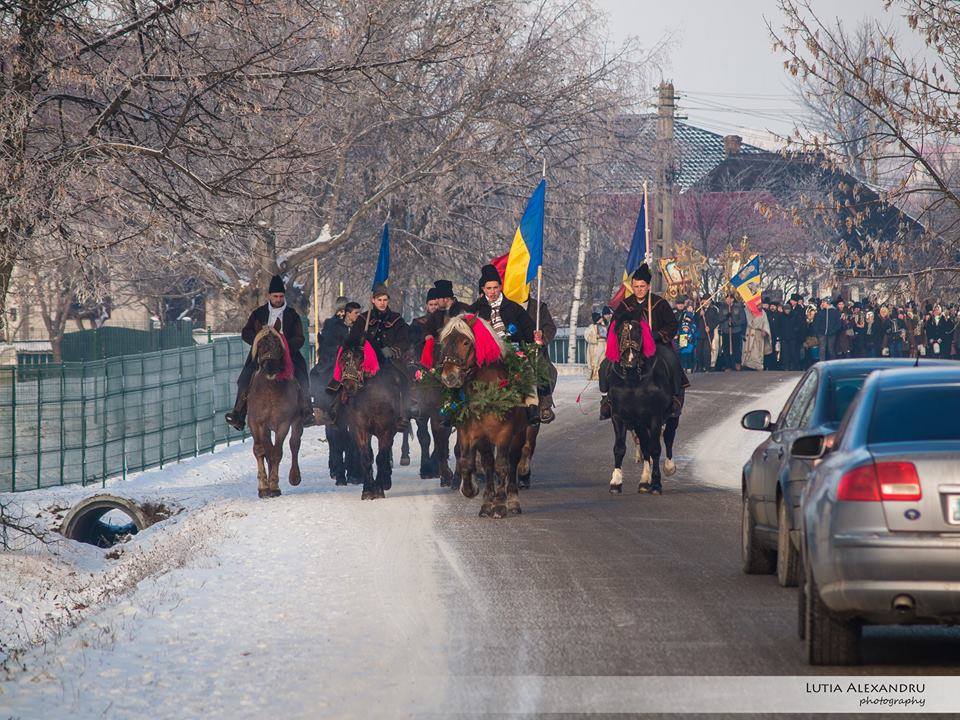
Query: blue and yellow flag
column 526, row 253
column 383, row 260
column 747, row 283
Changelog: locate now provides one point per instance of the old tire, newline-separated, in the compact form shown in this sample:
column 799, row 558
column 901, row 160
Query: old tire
column 754, row 559
column 830, row 640
column 788, row 559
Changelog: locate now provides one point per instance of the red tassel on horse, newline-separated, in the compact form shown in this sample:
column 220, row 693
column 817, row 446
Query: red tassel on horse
column 648, row 344
column 485, row 345
column 287, row 372
column 426, row 357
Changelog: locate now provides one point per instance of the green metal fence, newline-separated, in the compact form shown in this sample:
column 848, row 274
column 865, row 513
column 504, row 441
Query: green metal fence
column 86, row 421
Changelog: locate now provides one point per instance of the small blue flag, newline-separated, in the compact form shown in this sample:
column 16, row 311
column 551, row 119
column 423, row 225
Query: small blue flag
column 383, row 260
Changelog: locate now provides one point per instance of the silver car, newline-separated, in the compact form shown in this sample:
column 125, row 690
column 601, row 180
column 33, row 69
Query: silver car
column 880, row 513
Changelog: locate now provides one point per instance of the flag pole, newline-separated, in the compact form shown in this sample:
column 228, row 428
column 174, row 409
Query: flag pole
column 646, row 232
column 543, row 176
column 316, row 299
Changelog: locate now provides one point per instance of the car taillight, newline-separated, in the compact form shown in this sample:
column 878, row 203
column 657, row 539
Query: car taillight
column 898, row 481
column 859, row 484
column 881, row 481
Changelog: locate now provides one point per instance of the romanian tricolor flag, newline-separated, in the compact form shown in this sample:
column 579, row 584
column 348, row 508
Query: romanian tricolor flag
column 526, row 253
column 747, row 283
column 638, row 251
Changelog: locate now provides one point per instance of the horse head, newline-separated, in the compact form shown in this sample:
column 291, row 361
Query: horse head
column 352, row 374
column 630, row 340
column 466, row 343
column 268, row 352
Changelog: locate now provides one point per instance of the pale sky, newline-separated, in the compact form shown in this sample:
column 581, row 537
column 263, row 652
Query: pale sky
column 722, row 63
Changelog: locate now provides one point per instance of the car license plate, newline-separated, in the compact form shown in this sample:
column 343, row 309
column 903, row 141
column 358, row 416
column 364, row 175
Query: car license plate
column 953, row 509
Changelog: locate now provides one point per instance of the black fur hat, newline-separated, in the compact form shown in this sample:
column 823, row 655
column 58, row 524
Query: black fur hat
column 796, row 298
column 433, row 294
column 643, row 273
column 276, row 285
column 488, row 273
column 444, row 289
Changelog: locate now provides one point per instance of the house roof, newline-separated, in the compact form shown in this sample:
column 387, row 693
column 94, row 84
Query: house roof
column 698, row 151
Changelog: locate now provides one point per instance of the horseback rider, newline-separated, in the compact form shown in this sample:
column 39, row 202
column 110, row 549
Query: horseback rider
column 420, row 326
column 510, row 321
column 664, row 327
column 335, row 330
column 389, row 335
column 447, row 307
column 547, row 332
column 277, row 314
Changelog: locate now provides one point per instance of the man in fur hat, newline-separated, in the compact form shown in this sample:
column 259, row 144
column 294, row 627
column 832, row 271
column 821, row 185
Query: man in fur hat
column 664, row 326
column 447, row 307
column 419, row 326
column 277, row 314
column 509, row 320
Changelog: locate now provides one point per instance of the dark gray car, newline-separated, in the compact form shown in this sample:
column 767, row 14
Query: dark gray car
column 880, row 526
column 772, row 481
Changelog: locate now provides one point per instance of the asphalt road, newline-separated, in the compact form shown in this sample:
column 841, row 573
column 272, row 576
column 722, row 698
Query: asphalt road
column 588, row 583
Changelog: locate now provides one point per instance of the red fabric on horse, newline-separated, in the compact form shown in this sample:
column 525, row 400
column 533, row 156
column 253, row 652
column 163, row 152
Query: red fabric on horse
column 613, row 343
column 485, row 345
column 287, row 371
column 371, row 366
column 426, row 356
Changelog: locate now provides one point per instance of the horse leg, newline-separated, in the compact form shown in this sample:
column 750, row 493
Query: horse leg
column 404, row 449
column 275, row 457
column 384, row 469
column 669, row 435
column 526, row 456
column 362, row 439
column 296, row 433
column 427, row 470
column 619, row 450
column 466, row 464
column 637, row 449
column 489, row 508
column 441, row 452
column 260, row 449
column 515, row 452
column 653, row 437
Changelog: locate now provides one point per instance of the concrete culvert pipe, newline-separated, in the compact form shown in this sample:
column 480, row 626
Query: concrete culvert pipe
column 102, row 520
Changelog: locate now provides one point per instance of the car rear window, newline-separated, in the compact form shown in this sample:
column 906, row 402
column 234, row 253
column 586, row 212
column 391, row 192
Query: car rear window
column 842, row 392
column 915, row 414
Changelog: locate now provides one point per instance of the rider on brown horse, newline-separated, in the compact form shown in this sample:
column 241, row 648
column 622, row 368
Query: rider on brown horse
column 510, row 321
column 272, row 313
column 447, row 307
column 664, row 326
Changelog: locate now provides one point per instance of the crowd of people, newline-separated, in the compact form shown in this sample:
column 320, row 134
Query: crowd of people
column 792, row 335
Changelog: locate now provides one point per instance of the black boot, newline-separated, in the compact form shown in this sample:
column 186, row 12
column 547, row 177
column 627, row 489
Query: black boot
column 606, row 411
column 546, row 408
column 237, row 417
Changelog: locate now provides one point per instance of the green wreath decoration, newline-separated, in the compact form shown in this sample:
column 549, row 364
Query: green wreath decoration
column 524, row 367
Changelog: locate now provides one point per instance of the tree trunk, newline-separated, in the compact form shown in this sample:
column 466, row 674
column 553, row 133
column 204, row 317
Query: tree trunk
column 577, row 287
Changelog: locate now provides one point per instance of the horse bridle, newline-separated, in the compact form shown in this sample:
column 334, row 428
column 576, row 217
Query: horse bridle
column 463, row 364
column 356, row 376
column 628, row 343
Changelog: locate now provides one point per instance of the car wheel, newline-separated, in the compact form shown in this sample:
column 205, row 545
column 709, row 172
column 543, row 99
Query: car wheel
column 754, row 559
column 787, row 555
column 830, row 640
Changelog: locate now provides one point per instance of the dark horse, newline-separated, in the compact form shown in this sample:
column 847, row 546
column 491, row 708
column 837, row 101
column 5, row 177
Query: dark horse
column 497, row 441
column 427, row 400
column 273, row 405
column 372, row 406
column 640, row 398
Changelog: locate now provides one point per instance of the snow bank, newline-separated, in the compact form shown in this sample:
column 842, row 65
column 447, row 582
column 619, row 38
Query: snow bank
column 719, row 454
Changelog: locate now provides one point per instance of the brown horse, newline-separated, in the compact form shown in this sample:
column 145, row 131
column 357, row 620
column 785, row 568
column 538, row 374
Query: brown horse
column 372, row 407
column 496, row 440
column 273, row 405
column 428, row 399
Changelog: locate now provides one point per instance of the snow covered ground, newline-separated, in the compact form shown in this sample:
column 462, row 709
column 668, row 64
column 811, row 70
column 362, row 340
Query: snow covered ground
column 719, row 453
column 221, row 609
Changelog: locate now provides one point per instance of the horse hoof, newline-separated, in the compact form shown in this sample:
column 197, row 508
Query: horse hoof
column 386, row 484
column 294, row 481
column 616, row 489
column 381, row 494
column 404, row 461
column 340, row 481
column 263, row 493
column 444, row 482
column 499, row 512
column 669, row 467
column 273, row 493
column 643, row 488
column 485, row 511
column 368, row 495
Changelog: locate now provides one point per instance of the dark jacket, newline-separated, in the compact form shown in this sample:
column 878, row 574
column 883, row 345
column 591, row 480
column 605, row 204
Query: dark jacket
column 547, row 326
column 664, row 323
column 513, row 315
column 938, row 332
column 733, row 319
column 827, row 322
column 439, row 318
column 329, row 340
column 387, row 329
column 418, row 333
column 793, row 324
column 707, row 320
column 292, row 330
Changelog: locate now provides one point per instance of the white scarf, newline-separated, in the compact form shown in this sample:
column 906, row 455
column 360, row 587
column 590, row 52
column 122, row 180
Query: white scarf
column 495, row 320
column 276, row 313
